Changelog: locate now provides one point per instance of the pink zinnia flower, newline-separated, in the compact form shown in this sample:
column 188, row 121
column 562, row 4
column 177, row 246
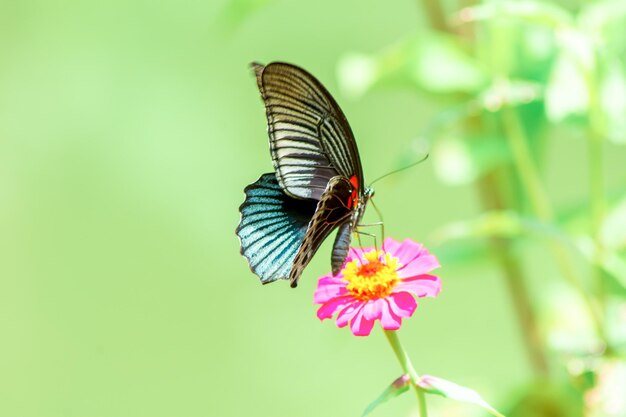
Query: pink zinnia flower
column 378, row 285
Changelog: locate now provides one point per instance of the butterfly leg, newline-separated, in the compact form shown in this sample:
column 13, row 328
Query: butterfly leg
column 373, row 236
column 358, row 236
column 375, row 224
column 381, row 222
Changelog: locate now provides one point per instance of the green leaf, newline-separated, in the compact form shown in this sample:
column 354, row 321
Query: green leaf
column 502, row 224
column 548, row 399
column 566, row 333
column 566, row 92
column 608, row 394
column 356, row 73
column 439, row 65
column 613, row 100
column 460, row 162
column 579, row 46
column 438, row 386
column 506, row 92
column 430, row 61
column 465, row 253
column 616, row 323
column 611, row 262
column 613, row 240
column 532, row 11
column 397, row 387
column 595, row 17
column 613, row 232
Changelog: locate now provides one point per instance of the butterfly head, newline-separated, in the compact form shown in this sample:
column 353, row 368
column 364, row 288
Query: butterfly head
column 361, row 204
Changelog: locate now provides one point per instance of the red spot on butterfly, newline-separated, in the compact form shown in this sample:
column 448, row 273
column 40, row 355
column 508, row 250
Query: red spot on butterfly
column 354, row 197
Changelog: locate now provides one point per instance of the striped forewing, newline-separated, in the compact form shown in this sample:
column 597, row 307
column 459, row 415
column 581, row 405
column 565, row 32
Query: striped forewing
column 310, row 138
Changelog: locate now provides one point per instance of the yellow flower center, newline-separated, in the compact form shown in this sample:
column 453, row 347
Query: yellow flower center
column 374, row 278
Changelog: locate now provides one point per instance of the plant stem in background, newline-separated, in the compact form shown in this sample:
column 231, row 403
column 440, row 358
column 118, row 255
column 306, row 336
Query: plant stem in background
column 525, row 165
column 596, row 192
column 436, row 15
column 533, row 186
column 492, row 199
column 596, row 182
column 407, row 368
column 516, row 283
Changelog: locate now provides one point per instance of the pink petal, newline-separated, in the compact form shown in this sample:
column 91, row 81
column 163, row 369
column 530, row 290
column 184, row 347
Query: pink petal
column 329, row 288
column 402, row 304
column 373, row 309
column 421, row 285
column 357, row 253
column 390, row 245
column 406, row 251
column 361, row 326
column 388, row 319
column 328, row 309
column 421, row 264
column 349, row 312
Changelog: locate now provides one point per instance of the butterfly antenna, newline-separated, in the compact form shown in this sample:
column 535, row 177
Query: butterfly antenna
column 411, row 165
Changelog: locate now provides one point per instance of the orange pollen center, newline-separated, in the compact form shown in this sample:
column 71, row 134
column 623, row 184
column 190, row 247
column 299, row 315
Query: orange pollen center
column 374, row 277
column 369, row 269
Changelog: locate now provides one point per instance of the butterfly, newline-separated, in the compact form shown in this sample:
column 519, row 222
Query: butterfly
column 317, row 185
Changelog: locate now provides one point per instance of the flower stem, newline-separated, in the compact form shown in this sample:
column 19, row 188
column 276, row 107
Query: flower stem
column 407, row 367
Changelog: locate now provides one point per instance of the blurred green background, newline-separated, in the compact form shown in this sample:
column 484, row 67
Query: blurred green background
column 128, row 130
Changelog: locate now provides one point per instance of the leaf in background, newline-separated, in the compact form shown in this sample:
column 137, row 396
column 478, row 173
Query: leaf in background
column 566, row 92
column 611, row 261
column 441, row 66
column 607, row 398
column 397, row 387
column 563, row 314
column 430, row 61
column 579, row 46
column 453, row 162
column 613, row 100
column 596, row 16
column 505, row 92
column 612, row 235
column 502, row 224
column 438, row 386
column 613, row 232
column 616, row 321
column 466, row 254
column 538, row 46
column 459, row 162
column 356, row 74
column 532, row 11
column 545, row 399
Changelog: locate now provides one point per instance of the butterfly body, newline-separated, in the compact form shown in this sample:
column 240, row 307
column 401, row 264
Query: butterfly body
column 317, row 185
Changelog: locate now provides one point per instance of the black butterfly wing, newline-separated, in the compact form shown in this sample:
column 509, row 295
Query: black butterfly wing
column 332, row 211
column 272, row 228
column 310, row 138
